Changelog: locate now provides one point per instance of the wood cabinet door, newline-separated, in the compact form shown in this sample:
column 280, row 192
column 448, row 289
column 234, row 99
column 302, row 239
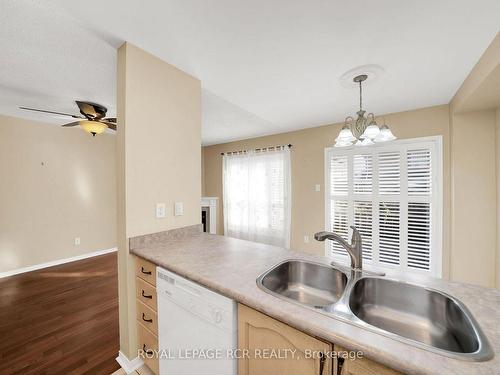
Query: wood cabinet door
column 362, row 366
column 148, row 342
column 258, row 332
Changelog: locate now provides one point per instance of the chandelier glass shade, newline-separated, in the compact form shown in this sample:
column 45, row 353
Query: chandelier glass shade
column 364, row 131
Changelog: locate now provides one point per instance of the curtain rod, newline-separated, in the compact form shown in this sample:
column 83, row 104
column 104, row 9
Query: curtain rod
column 256, row 149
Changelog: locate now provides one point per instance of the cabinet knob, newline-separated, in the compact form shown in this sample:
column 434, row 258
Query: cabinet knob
column 148, row 296
column 145, row 272
column 147, row 351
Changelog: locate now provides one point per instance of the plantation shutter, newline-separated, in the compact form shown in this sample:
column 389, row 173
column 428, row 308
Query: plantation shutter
column 419, row 208
column 391, row 194
column 339, row 207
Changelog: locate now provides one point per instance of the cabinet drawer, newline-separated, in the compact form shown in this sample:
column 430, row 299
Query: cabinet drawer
column 145, row 270
column 146, row 293
column 147, row 317
column 147, row 341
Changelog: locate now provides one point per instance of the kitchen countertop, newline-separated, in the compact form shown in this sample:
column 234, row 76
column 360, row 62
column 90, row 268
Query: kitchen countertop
column 231, row 266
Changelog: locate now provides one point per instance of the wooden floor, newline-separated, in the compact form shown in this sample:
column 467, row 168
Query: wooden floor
column 61, row 320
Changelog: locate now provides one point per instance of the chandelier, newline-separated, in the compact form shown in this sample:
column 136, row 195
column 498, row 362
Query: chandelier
column 365, row 130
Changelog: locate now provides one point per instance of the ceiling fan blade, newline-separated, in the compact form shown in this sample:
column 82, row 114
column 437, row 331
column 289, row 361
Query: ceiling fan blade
column 109, row 125
column 72, row 124
column 110, row 119
column 91, row 110
column 51, row 112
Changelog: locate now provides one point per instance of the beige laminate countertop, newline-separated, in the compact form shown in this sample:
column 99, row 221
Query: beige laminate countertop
column 230, row 267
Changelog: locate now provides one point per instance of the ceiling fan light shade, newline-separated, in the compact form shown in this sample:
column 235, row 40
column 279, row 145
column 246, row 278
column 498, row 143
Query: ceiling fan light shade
column 93, row 127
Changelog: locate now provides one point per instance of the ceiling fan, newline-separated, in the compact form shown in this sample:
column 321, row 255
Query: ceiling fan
column 92, row 118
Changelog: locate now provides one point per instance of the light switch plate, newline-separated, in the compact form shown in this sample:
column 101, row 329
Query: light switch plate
column 179, row 209
column 317, row 187
column 306, row 238
column 77, row 241
column 160, row 210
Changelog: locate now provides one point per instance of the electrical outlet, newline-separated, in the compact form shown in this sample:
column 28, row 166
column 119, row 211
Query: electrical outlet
column 317, row 187
column 77, row 241
column 306, row 239
column 160, row 210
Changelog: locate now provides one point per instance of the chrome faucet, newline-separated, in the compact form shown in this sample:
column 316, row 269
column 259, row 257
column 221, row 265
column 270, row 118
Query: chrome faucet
column 355, row 249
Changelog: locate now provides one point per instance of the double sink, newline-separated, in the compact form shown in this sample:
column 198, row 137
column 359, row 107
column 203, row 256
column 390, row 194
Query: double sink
column 411, row 313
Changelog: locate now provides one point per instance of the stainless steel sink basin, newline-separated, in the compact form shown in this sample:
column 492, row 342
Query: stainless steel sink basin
column 416, row 313
column 310, row 284
column 410, row 313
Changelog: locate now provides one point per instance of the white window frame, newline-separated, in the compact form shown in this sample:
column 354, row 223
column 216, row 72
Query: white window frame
column 436, row 145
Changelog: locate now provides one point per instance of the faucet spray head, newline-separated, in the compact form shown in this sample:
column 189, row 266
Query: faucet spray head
column 321, row 236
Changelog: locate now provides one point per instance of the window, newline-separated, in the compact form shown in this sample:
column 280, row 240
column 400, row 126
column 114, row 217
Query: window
column 392, row 193
column 257, row 196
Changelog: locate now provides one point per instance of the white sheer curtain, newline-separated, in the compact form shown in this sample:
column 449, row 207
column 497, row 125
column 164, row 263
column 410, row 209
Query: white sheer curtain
column 257, row 196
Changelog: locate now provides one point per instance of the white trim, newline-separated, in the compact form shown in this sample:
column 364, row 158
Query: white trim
column 56, row 262
column 437, row 237
column 129, row 366
column 326, row 196
column 211, row 203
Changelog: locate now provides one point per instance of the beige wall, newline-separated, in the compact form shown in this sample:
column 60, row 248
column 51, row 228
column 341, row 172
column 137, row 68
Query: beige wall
column 308, row 210
column 159, row 160
column 476, row 168
column 474, row 192
column 497, row 137
column 56, row 184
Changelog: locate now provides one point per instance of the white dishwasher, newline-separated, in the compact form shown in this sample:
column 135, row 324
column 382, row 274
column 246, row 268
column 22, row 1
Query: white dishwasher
column 197, row 328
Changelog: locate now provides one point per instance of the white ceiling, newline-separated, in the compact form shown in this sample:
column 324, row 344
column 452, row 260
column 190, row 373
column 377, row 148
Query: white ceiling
column 266, row 66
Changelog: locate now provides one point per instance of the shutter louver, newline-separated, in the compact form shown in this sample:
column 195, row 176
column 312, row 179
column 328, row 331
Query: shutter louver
column 389, row 236
column 339, row 224
column 363, row 222
column 419, row 172
column 339, row 175
column 419, row 235
column 389, row 172
column 363, row 173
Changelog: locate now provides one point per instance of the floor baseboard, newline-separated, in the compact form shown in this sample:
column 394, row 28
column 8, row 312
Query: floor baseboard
column 129, row 366
column 56, row 262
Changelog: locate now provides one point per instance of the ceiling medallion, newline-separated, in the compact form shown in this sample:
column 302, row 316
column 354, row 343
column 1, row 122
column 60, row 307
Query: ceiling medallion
column 364, row 130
